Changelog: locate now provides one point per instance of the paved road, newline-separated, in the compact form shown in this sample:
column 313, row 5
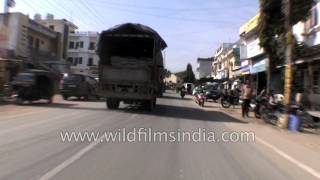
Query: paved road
column 31, row 146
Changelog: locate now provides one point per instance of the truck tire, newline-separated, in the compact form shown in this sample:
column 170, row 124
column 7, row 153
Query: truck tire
column 150, row 105
column 65, row 97
column 113, row 103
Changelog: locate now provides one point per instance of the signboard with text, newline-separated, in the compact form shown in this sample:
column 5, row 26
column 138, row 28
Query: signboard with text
column 254, row 49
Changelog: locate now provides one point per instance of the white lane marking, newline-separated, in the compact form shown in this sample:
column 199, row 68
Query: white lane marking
column 50, row 174
column 291, row 159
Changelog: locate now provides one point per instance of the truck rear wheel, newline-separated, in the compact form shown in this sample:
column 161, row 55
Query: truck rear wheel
column 113, row 103
column 150, row 104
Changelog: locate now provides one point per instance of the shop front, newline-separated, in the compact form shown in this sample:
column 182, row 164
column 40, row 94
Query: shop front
column 258, row 74
column 245, row 70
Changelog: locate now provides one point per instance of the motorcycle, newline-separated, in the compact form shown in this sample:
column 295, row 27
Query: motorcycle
column 257, row 104
column 200, row 99
column 305, row 118
column 182, row 93
column 227, row 100
column 271, row 113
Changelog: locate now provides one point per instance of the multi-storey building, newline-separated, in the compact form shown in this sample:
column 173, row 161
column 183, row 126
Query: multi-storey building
column 63, row 27
column 25, row 39
column 25, row 42
column 307, row 69
column 204, row 67
column 82, row 52
column 220, row 64
column 253, row 59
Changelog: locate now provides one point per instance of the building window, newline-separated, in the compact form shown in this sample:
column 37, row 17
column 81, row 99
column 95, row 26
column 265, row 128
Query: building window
column 80, row 60
column 77, row 45
column 92, row 46
column 30, row 41
column 51, row 27
column 37, row 44
column 316, row 83
column 70, row 60
column 312, row 20
column 75, row 61
column 81, row 44
column 71, row 45
column 90, row 62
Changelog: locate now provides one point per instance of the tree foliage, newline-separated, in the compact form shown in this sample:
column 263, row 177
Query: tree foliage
column 272, row 29
column 189, row 76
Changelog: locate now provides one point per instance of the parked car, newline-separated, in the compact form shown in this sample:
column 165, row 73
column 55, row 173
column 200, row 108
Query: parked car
column 212, row 91
column 78, row 85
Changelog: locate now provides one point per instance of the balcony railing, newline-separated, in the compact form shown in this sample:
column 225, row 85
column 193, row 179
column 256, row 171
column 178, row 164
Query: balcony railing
column 86, row 33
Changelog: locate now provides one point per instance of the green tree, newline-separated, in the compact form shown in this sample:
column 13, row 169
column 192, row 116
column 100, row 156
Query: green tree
column 272, row 28
column 189, row 75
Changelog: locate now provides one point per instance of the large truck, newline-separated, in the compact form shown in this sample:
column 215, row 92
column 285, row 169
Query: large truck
column 131, row 67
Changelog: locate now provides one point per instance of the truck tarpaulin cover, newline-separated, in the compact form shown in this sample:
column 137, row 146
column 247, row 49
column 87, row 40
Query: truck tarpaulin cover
column 129, row 40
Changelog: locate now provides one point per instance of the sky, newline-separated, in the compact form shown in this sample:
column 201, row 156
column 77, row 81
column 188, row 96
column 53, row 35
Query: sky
column 191, row 28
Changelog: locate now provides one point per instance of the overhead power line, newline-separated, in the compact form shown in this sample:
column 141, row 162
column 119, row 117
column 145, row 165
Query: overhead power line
column 94, row 13
column 29, row 5
column 165, row 16
column 153, row 7
column 163, row 8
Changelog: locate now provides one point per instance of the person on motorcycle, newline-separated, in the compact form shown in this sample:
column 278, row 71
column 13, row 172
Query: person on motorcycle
column 246, row 93
column 183, row 92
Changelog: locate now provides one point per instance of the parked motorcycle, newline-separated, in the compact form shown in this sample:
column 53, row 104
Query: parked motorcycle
column 257, row 104
column 271, row 113
column 227, row 100
column 306, row 119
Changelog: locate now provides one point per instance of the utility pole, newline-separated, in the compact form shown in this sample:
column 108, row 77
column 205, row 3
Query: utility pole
column 288, row 63
column 6, row 6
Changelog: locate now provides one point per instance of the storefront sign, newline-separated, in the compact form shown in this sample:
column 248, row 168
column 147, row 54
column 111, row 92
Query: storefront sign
column 245, row 70
column 245, row 67
column 260, row 66
column 254, row 49
column 244, row 63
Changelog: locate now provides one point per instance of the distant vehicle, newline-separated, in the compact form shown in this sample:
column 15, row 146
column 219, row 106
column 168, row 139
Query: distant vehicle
column 131, row 65
column 182, row 93
column 78, row 85
column 189, row 87
column 33, row 85
column 212, row 91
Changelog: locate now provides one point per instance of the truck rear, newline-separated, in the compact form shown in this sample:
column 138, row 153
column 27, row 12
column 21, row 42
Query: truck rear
column 131, row 65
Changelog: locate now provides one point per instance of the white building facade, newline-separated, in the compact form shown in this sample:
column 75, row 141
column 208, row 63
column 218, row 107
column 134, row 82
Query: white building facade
column 220, row 64
column 307, row 72
column 204, row 67
column 82, row 53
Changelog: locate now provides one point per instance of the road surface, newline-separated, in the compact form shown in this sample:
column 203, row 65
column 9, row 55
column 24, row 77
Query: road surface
column 31, row 146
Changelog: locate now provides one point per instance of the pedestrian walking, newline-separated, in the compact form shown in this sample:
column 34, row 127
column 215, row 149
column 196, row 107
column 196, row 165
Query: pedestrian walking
column 246, row 94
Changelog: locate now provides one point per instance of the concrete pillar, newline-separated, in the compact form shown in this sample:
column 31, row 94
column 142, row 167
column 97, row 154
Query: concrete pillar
column 310, row 85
